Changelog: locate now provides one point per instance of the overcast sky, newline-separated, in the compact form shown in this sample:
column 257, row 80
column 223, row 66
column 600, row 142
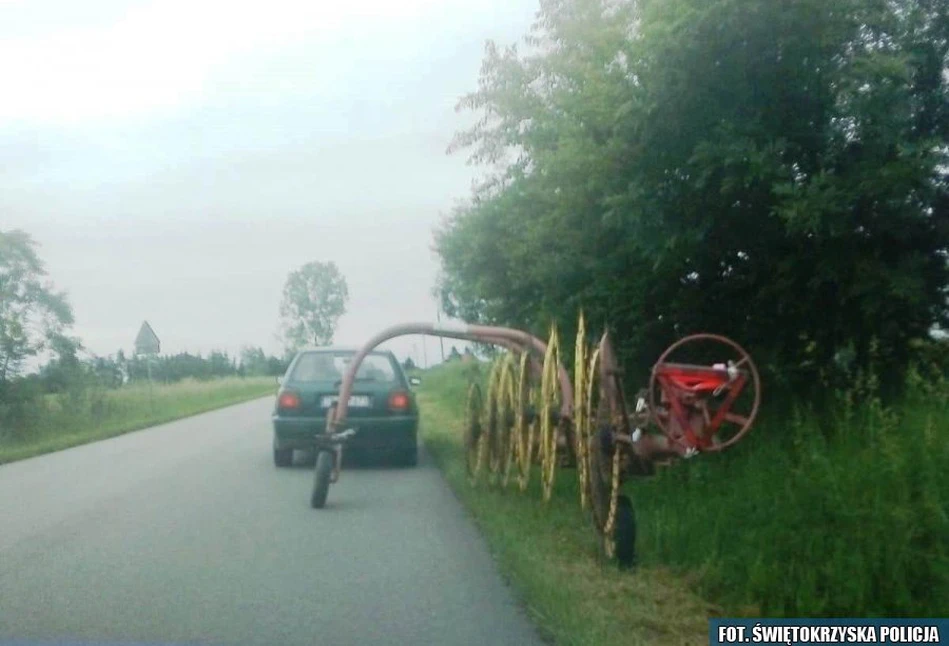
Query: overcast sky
column 175, row 160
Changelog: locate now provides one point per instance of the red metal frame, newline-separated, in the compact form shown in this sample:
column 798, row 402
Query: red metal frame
column 686, row 387
column 693, row 378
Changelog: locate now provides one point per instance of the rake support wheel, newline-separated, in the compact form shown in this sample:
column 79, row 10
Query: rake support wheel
column 473, row 431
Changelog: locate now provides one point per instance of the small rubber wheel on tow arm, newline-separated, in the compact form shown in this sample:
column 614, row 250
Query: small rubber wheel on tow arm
column 321, row 479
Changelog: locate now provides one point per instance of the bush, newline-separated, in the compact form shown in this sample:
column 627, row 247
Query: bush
column 22, row 406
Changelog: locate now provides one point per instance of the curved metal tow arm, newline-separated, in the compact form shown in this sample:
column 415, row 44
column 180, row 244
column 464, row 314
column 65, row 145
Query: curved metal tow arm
column 511, row 339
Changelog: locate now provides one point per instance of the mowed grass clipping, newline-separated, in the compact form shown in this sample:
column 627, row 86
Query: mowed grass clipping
column 549, row 552
column 55, row 422
column 840, row 515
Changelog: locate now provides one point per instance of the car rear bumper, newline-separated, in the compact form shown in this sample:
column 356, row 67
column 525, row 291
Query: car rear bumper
column 373, row 432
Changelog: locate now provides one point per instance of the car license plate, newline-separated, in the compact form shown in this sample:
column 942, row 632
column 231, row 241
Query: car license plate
column 355, row 401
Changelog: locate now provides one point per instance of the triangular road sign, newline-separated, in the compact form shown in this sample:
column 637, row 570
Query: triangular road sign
column 147, row 341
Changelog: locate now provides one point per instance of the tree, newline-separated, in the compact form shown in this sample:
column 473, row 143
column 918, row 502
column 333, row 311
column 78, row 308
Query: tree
column 732, row 166
column 253, row 361
column 108, row 371
column 64, row 371
column 408, row 364
column 221, row 365
column 314, row 298
column 33, row 317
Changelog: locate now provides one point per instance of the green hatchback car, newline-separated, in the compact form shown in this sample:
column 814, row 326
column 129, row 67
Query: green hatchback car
column 382, row 406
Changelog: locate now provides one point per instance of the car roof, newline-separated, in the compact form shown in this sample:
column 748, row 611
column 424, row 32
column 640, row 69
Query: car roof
column 339, row 348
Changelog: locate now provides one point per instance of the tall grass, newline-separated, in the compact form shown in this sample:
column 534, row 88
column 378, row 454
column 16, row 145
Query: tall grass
column 843, row 513
column 35, row 424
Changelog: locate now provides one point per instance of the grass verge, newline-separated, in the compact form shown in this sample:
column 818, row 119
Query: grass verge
column 549, row 552
column 57, row 422
column 845, row 514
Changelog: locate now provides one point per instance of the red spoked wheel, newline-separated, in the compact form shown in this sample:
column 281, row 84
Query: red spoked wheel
column 704, row 392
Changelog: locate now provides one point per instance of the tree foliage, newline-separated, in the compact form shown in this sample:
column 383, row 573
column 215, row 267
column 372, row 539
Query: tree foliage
column 772, row 171
column 255, row 363
column 33, row 317
column 183, row 365
column 314, row 298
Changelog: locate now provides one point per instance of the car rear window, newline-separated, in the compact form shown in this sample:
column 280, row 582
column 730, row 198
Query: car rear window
column 331, row 366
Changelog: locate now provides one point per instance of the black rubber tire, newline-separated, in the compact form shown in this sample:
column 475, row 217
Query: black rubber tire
column 625, row 533
column 321, row 479
column 283, row 457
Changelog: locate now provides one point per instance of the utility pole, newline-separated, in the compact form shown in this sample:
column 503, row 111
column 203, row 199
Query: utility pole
column 425, row 351
column 441, row 339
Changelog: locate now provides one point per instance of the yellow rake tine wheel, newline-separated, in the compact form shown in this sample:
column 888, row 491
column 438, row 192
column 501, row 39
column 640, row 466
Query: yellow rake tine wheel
column 517, row 431
column 489, row 424
column 487, row 455
column 508, row 381
column 593, row 391
column 473, row 431
column 581, row 418
column 549, row 387
column 512, row 444
column 505, row 412
column 586, row 396
column 609, row 540
column 526, row 431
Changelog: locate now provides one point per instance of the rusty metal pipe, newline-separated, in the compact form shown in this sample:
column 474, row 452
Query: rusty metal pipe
column 480, row 333
column 539, row 349
column 535, row 364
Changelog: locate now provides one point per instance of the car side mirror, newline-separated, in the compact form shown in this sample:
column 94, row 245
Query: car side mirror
column 415, row 381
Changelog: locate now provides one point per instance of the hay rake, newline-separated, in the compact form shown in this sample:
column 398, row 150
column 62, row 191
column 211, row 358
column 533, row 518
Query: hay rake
column 703, row 395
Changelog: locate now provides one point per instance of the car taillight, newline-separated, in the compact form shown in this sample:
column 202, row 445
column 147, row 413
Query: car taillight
column 288, row 401
column 399, row 401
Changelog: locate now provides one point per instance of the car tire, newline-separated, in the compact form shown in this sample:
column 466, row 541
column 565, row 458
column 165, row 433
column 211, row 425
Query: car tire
column 283, row 457
column 625, row 533
column 321, row 479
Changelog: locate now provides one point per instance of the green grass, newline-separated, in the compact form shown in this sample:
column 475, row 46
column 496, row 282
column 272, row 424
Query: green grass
column 549, row 552
column 55, row 422
column 846, row 515
column 824, row 518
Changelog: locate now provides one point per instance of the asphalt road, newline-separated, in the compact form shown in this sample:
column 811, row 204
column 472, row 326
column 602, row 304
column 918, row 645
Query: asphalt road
column 187, row 533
